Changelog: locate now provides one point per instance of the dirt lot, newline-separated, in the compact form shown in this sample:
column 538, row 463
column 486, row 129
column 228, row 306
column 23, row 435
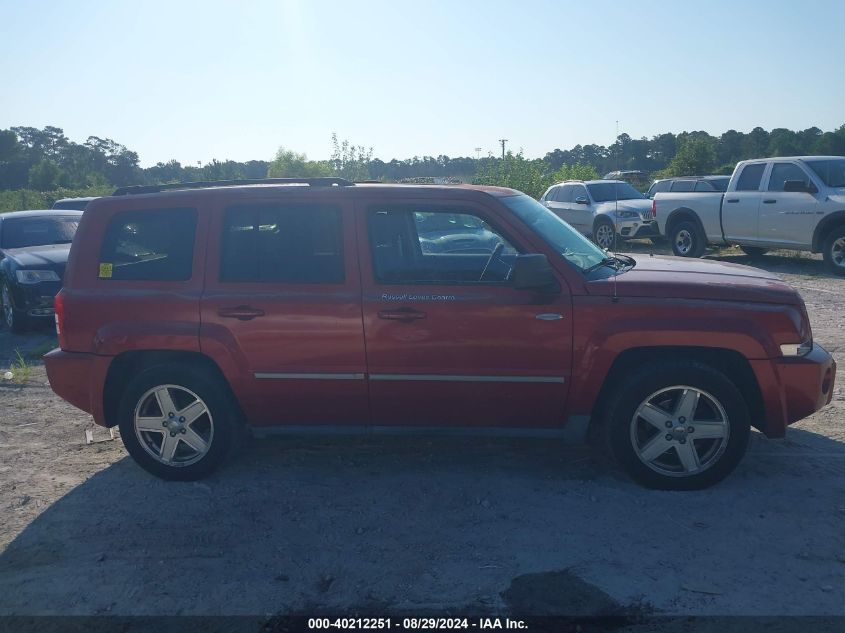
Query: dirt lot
column 415, row 525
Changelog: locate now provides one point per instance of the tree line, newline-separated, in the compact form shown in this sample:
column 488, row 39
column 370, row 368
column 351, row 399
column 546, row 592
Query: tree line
column 46, row 161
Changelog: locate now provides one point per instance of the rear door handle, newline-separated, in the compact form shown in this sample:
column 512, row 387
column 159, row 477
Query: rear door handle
column 406, row 315
column 769, row 201
column 549, row 316
column 241, row 313
column 732, row 200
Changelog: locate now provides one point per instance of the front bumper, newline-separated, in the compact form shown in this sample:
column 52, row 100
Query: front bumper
column 632, row 229
column 794, row 387
column 35, row 300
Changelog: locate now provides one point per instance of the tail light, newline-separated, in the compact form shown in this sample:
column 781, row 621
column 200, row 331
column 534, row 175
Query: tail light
column 654, row 209
column 59, row 308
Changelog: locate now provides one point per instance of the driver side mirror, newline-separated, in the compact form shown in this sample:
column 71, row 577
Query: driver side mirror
column 799, row 186
column 533, row 272
column 581, row 200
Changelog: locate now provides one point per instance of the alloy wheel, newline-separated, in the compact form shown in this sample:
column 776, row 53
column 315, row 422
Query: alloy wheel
column 604, row 236
column 173, row 425
column 680, row 431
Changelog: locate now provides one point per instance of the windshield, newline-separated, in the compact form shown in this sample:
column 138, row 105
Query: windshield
column 831, row 172
column 38, row 231
column 555, row 232
column 604, row 192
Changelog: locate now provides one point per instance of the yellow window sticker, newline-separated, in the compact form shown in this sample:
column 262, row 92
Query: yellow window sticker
column 105, row 271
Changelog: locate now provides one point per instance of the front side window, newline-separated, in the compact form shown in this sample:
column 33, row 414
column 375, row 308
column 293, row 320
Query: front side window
column 781, row 172
column 294, row 243
column 749, row 179
column 609, row 191
column 38, row 231
column 149, row 245
column 704, row 185
column 430, row 245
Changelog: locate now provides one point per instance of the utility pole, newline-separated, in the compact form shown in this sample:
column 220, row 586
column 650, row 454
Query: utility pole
column 478, row 153
column 502, row 141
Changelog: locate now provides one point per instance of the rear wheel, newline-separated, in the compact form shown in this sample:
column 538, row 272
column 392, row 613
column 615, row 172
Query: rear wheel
column 834, row 251
column 687, row 239
column 677, row 426
column 177, row 421
column 15, row 320
column 753, row 251
column 604, row 233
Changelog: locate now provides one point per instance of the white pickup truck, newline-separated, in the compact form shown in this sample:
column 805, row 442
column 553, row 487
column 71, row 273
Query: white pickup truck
column 793, row 202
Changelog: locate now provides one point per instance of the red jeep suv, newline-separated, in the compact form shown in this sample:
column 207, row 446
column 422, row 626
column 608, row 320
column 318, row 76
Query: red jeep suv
column 191, row 311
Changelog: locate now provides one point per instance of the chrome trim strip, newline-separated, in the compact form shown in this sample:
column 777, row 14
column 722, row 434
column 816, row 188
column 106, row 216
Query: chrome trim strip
column 269, row 375
column 466, row 378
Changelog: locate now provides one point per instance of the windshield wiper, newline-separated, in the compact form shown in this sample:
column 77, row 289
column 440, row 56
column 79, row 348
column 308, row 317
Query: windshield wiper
column 614, row 261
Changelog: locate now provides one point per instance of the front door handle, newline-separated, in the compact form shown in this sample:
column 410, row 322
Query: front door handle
column 241, row 313
column 732, row 200
column 769, row 201
column 405, row 315
column 548, row 316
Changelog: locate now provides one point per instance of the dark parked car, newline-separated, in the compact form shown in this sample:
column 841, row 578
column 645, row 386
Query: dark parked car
column 689, row 184
column 34, row 246
column 76, row 204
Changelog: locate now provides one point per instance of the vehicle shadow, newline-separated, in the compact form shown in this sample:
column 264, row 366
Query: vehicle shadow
column 374, row 524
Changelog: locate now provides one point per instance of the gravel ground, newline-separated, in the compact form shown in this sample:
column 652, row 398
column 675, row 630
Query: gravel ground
column 418, row 525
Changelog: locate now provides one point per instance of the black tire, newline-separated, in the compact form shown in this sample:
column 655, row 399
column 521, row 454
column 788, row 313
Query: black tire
column 221, row 416
column 603, row 227
column 834, row 251
column 16, row 320
column 754, row 251
column 687, row 240
column 719, row 457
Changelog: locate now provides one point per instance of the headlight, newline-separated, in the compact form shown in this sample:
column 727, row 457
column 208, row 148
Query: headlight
column 35, row 276
column 627, row 214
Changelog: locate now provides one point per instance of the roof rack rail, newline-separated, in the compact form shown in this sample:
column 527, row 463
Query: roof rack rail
column 313, row 182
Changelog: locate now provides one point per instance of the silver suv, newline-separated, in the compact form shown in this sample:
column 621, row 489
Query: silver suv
column 602, row 209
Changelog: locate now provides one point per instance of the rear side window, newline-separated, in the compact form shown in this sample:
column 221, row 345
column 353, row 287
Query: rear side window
column 704, row 185
column 683, row 185
column 149, row 245
column 749, row 179
column 296, row 243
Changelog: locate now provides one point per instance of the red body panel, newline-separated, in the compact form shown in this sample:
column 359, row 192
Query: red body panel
column 322, row 354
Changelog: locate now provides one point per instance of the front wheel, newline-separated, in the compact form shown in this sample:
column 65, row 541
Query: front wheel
column 677, row 426
column 834, row 251
column 177, row 421
column 15, row 320
column 687, row 240
column 604, row 233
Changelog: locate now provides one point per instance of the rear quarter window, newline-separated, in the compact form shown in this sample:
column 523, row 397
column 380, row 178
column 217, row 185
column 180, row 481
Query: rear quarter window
column 149, row 245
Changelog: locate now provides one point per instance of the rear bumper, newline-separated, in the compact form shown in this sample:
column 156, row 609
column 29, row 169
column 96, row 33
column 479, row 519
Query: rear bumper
column 79, row 379
column 794, row 387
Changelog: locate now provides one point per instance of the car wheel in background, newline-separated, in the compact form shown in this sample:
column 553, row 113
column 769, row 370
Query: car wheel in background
column 13, row 319
column 753, row 251
column 677, row 426
column 604, row 233
column 834, row 251
column 687, row 240
column 177, row 421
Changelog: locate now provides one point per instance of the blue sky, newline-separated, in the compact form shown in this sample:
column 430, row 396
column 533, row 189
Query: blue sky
column 200, row 80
